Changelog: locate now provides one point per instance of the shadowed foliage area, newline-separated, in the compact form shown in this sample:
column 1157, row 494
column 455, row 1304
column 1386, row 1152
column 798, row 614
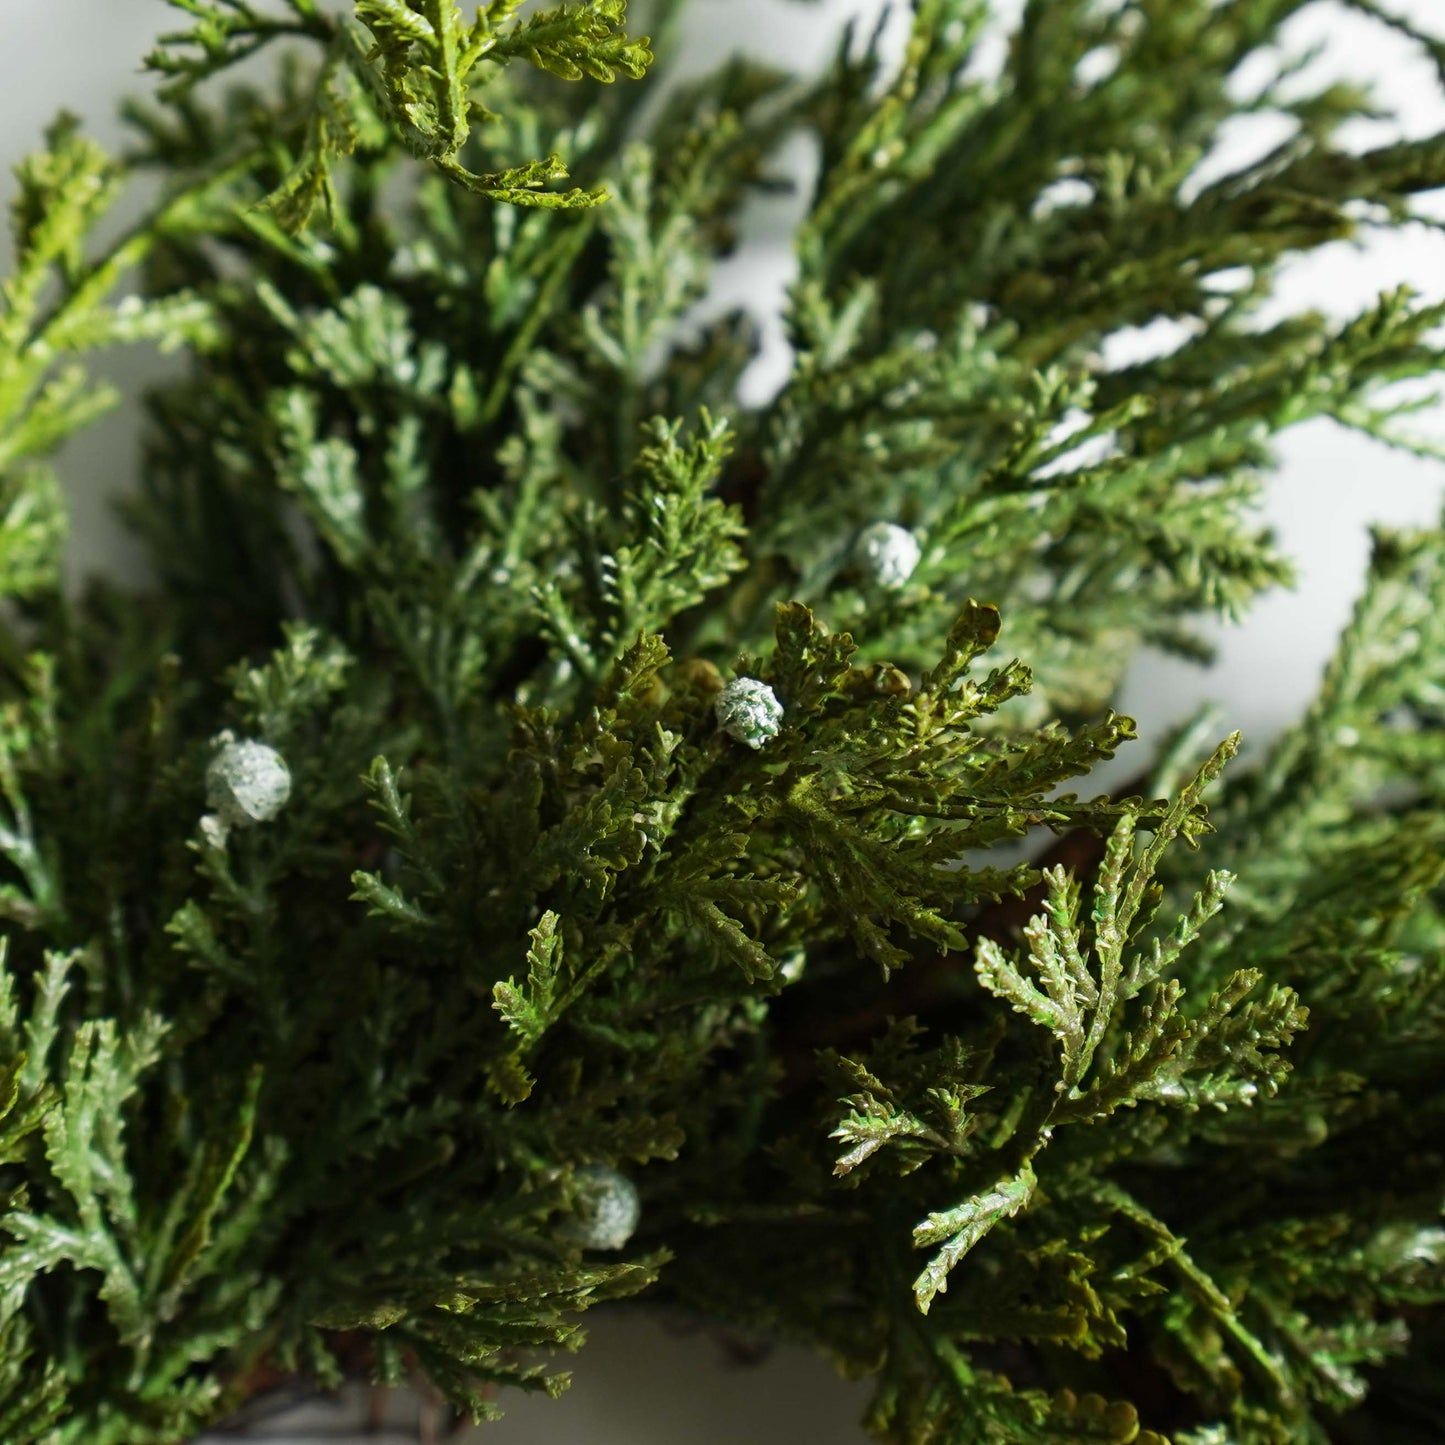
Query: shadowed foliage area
column 548, row 831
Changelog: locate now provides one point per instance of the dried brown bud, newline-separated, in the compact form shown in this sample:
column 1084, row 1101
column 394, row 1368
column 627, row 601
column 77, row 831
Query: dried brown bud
column 696, row 674
column 890, row 680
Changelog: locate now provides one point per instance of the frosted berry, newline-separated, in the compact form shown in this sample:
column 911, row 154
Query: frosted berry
column 608, row 1208
column 247, row 782
column 887, row 554
column 749, row 711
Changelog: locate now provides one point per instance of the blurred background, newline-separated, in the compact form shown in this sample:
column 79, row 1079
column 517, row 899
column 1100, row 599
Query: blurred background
column 654, row 1381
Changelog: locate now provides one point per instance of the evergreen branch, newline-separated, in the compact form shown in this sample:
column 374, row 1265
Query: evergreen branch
column 960, row 1229
column 224, row 33
column 416, row 62
column 462, row 519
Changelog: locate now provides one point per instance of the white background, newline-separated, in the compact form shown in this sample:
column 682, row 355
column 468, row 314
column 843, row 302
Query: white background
column 644, row 1381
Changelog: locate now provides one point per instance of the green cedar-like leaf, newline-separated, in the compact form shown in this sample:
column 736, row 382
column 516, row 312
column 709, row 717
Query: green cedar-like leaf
column 526, row 1009
column 487, row 491
column 325, row 474
column 32, row 530
column 975, row 631
column 299, row 678
column 224, row 32
column 872, row 1124
column 416, row 64
column 214, row 1180
column 571, row 41
column 384, row 900
column 960, row 1228
column 939, row 1123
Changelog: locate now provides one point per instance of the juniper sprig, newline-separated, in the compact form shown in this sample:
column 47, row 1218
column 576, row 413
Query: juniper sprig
column 549, row 831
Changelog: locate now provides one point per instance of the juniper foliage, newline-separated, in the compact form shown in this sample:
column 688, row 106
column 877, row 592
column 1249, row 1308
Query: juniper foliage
column 456, row 508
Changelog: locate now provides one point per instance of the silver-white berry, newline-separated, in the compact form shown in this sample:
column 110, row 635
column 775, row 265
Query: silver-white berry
column 608, row 1208
column 887, row 554
column 247, row 782
column 749, row 711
